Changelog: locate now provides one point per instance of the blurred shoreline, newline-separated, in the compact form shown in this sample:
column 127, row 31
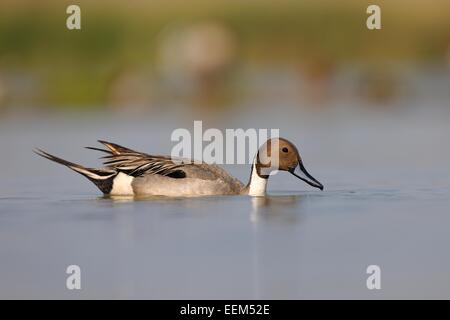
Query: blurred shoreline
column 261, row 89
column 144, row 54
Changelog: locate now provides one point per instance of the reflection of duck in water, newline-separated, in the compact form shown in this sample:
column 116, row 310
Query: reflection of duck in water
column 128, row 172
column 273, row 206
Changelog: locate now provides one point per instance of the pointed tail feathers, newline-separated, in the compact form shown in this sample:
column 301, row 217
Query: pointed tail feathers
column 102, row 178
column 113, row 148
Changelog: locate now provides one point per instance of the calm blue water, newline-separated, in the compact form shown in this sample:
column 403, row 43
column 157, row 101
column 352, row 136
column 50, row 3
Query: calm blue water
column 386, row 202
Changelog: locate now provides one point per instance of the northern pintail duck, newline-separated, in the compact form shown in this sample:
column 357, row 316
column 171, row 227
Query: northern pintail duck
column 131, row 173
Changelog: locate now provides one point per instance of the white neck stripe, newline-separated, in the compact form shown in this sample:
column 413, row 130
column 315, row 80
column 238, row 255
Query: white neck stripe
column 257, row 184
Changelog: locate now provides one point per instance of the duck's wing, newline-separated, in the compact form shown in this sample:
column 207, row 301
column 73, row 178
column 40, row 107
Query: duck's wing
column 138, row 164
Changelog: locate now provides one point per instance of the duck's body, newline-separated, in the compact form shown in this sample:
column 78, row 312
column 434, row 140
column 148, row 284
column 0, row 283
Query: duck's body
column 131, row 173
column 201, row 180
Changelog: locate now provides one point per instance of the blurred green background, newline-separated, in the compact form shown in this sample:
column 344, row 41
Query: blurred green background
column 149, row 54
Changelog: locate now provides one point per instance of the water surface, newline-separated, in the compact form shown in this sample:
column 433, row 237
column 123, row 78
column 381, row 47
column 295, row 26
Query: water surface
column 386, row 202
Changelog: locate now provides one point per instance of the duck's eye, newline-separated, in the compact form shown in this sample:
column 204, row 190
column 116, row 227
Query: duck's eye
column 285, row 150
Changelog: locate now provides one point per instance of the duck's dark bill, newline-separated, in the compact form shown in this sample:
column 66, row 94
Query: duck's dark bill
column 301, row 173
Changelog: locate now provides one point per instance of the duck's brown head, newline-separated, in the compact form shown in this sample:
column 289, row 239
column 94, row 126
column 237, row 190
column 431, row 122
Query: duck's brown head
column 281, row 154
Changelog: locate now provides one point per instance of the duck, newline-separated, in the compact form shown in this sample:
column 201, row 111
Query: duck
column 127, row 172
